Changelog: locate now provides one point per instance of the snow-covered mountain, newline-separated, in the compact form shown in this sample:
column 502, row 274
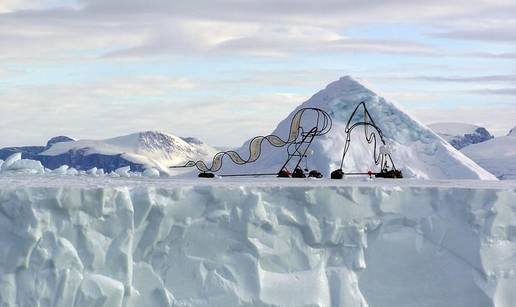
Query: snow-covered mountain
column 460, row 135
column 138, row 150
column 417, row 150
column 31, row 152
column 498, row 155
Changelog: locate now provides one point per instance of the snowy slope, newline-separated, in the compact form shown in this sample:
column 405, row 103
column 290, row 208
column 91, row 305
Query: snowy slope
column 417, row 150
column 103, row 242
column 460, row 135
column 498, row 155
column 151, row 148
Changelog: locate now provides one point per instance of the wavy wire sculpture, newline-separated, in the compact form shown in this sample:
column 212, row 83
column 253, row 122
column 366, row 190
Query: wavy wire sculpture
column 381, row 157
column 322, row 125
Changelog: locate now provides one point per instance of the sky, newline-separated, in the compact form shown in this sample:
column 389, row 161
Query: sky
column 226, row 70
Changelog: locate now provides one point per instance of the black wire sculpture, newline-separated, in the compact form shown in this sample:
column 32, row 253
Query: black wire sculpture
column 298, row 144
column 381, row 157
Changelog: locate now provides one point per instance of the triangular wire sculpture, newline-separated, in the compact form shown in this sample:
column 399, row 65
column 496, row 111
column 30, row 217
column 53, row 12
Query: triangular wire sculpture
column 381, row 156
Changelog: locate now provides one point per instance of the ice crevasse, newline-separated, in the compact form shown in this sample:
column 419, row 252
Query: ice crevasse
column 249, row 245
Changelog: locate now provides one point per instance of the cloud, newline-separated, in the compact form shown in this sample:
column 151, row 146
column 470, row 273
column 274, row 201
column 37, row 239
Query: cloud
column 497, row 91
column 506, row 55
column 328, row 12
column 107, row 109
column 311, row 40
column 316, row 42
column 139, row 29
column 7, row 6
column 506, row 34
column 472, row 79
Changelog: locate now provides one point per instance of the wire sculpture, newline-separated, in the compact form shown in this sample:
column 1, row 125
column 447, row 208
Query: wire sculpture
column 298, row 143
column 381, row 157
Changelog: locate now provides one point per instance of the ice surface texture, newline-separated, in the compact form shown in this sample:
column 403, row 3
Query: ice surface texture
column 226, row 244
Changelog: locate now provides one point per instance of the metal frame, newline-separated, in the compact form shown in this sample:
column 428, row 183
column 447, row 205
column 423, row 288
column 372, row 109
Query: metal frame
column 298, row 139
column 367, row 122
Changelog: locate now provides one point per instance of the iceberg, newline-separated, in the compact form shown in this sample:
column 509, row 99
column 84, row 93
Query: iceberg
column 139, row 241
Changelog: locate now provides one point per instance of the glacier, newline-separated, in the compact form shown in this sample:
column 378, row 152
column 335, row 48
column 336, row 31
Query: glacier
column 102, row 241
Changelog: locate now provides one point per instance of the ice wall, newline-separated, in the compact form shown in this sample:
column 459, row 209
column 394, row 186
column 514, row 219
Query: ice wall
column 257, row 246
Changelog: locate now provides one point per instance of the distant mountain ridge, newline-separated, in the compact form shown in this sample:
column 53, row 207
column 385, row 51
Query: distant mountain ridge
column 29, row 152
column 138, row 150
column 497, row 155
column 460, row 135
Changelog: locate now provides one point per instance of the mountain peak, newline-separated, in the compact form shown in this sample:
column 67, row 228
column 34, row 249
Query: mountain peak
column 346, row 88
column 58, row 139
column 512, row 132
column 154, row 140
column 347, row 84
column 154, row 134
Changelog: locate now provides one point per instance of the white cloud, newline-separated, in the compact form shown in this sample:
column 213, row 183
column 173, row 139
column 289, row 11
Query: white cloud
column 496, row 91
column 101, row 110
column 133, row 28
column 7, row 6
column 112, row 30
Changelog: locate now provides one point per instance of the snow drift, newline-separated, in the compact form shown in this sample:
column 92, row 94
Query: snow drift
column 418, row 151
column 497, row 155
column 67, row 242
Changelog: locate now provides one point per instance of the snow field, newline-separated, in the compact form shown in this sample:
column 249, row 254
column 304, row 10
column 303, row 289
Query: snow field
column 221, row 243
column 497, row 155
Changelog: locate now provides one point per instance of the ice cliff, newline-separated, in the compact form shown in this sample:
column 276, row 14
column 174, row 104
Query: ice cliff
column 127, row 242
